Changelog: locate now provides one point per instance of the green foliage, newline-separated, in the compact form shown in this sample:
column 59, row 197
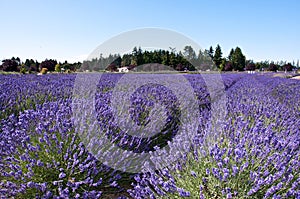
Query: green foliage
column 211, row 52
column 263, row 65
column 23, row 69
column 218, row 56
column 187, row 59
column 222, row 65
column 58, row 68
column 189, row 53
column 238, row 59
column 231, row 54
column 195, row 179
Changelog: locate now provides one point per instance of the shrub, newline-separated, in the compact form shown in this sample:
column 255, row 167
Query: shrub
column 58, row 68
column 23, row 69
column 44, row 71
column 228, row 66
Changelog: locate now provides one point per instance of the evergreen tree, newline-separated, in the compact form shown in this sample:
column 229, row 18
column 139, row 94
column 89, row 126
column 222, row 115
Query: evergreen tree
column 166, row 58
column 211, row 52
column 218, row 56
column 173, row 60
column 139, row 55
column 231, row 54
column 27, row 63
column 238, row 59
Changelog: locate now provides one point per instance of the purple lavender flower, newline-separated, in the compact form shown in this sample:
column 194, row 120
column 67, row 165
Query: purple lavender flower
column 193, row 174
column 183, row 193
column 62, row 175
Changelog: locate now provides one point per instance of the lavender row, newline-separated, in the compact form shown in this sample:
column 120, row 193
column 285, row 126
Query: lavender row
column 254, row 152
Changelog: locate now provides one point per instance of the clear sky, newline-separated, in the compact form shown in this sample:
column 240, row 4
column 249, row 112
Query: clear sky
column 71, row 29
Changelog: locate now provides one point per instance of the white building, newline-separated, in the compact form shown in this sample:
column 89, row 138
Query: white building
column 123, row 70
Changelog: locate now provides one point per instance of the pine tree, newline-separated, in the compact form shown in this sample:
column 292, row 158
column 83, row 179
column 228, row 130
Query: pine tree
column 231, row 54
column 238, row 59
column 211, row 52
column 218, row 56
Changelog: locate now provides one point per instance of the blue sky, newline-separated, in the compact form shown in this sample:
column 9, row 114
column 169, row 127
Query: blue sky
column 72, row 29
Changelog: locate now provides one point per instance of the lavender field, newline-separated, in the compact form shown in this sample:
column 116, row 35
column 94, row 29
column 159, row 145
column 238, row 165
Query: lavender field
column 252, row 150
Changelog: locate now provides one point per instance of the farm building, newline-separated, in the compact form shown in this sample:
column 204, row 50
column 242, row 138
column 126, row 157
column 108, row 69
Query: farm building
column 123, row 70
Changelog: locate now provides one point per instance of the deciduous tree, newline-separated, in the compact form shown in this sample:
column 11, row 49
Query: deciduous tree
column 9, row 65
column 49, row 64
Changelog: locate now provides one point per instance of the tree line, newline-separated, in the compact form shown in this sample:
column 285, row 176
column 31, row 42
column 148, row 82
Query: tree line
column 33, row 66
column 186, row 60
